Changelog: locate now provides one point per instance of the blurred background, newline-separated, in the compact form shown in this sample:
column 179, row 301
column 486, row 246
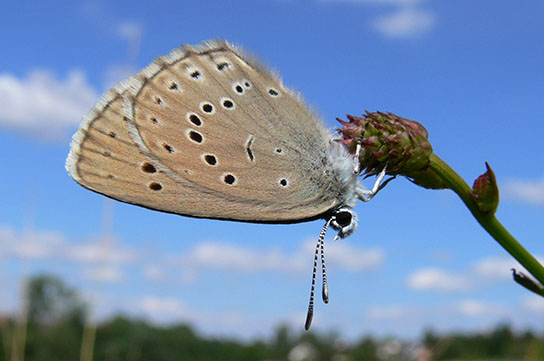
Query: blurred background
column 85, row 277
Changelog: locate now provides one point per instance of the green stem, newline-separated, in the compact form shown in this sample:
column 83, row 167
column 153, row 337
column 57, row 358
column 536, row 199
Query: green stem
column 487, row 220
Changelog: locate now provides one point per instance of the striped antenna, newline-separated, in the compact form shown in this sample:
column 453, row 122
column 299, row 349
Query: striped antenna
column 319, row 246
column 325, row 289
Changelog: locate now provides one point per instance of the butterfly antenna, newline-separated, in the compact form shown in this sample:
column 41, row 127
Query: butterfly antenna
column 310, row 314
column 325, row 289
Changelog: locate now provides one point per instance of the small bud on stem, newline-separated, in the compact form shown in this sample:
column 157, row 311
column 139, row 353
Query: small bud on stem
column 485, row 191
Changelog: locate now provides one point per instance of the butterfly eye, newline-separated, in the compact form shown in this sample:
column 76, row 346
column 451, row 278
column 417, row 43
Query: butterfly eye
column 344, row 221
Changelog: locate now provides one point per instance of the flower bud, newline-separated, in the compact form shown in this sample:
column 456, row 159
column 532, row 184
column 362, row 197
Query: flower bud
column 485, row 191
column 388, row 140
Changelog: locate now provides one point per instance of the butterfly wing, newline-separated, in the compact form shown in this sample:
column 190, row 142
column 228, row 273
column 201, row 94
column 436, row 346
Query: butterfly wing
column 206, row 132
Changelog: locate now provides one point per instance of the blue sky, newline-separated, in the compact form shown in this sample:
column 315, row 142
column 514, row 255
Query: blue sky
column 470, row 72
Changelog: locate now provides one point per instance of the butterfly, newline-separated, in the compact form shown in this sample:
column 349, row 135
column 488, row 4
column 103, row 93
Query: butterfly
column 208, row 132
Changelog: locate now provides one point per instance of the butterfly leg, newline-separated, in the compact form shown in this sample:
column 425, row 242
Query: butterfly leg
column 365, row 195
column 356, row 163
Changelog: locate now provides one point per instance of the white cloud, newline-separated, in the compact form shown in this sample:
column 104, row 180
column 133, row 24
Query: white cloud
column 42, row 104
column 482, row 272
column 407, row 19
column 392, row 313
column 343, row 256
column 188, row 275
column 534, row 303
column 496, row 267
column 164, row 274
column 156, row 306
column 406, row 314
column 52, row 245
column 130, row 30
column 170, row 309
column 216, row 255
column 31, row 245
column 108, row 274
column 100, row 250
column 473, row 308
column 37, row 245
column 456, row 312
column 109, row 251
column 153, row 273
column 435, row 279
column 531, row 192
column 230, row 257
column 499, row 268
column 406, row 22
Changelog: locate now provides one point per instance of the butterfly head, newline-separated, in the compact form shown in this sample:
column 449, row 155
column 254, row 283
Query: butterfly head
column 344, row 220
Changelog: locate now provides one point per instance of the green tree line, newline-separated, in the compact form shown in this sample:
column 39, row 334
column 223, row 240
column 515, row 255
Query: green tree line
column 53, row 329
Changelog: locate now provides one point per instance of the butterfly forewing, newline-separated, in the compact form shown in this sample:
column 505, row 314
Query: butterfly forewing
column 205, row 132
column 105, row 159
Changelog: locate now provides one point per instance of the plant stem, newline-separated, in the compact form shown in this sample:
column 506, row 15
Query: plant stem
column 487, row 220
